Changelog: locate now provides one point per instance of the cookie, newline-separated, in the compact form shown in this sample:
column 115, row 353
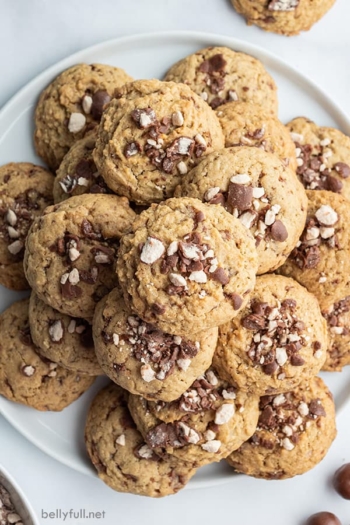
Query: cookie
column 25, row 191
column 208, row 422
column 286, row 17
column 120, row 455
column 276, row 342
column 260, row 191
column 337, row 316
column 246, row 124
column 323, row 156
column 321, row 259
column 71, row 251
column 220, row 75
column 77, row 173
column 62, row 339
column 294, row 433
column 25, row 376
column 150, row 136
column 71, row 105
column 142, row 359
column 186, row 266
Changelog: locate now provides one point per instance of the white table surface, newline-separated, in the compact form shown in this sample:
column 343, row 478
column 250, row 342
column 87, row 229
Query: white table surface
column 35, row 34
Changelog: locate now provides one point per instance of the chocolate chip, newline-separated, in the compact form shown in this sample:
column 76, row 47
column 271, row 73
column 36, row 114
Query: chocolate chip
column 270, row 369
column 279, row 231
column 213, row 64
column 258, row 307
column 88, row 230
column 316, row 408
column 85, row 168
column 236, row 300
column 343, row 169
column 323, row 518
column 216, row 102
column 297, row 360
column 221, row 276
column 158, row 308
column 144, row 117
column 253, row 322
column 218, row 199
column 70, row 291
column 240, row 196
column 341, row 481
column 333, row 184
column 25, row 337
column 86, row 339
column 99, row 100
column 131, row 149
column 267, row 418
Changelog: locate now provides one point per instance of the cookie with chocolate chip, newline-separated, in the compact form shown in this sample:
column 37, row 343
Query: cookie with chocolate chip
column 294, row 433
column 25, row 376
column 71, row 251
column 209, row 421
column 77, row 173
column 63, row 339
column 186, row 266
column 71, row 105
column 25, row 191
column 323, row 156
column 276, row 342
column 321, row 259
column 220, row 75
column 286, row 17
column 151, row 134
column 120, row 455
column 258, row 189
column 246, row 124
column 143, row 359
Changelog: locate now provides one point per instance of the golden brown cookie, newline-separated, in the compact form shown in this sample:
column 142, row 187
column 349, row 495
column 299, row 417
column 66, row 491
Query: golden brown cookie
column 295, row 431
column 323, row 156
column 71, row 251
column 150, row 136
column 71, row 105
column 276, row 342
column 208, row 422
column 286, row 17
column 220, row 75
column 63, row 339
column 144, row 360
column 246, row 124
column 77, row 173
column 25, row 191
column 321, row 259
column 186, row 266
column 260, row 191
column 25, row 376
column 120, row 455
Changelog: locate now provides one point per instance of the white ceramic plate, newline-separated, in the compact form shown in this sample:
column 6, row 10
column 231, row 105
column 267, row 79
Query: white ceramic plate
column 143, row 56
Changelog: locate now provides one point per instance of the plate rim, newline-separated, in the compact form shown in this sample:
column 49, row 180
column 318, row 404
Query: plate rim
column 244, row 46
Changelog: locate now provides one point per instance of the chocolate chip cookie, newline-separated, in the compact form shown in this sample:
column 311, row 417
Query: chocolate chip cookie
column 77, row 173
column 143, row 359
column 295, row 431
column 246, row 124
column 71, row 106
column 25, row 191
column 258, row 189
column 120, row 455
column 71, row 251
column 337, row 316
column 286, row 17
column 277, row 341
column 150, row 136
column 186, row 266
column 220, row 75
column 208, row 422
column 62, row 339
column 321, row 258
column 323, row 156
column 25, row 376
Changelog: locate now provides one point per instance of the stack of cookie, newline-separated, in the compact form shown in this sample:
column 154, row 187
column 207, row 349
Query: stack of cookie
column 174, row 201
